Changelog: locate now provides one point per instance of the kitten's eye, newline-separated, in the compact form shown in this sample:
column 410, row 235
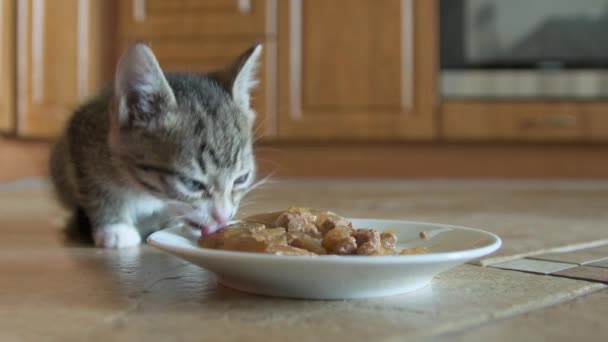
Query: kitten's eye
column 145, row 168
column 152, row 168
column 242, row 179
column 193, row 185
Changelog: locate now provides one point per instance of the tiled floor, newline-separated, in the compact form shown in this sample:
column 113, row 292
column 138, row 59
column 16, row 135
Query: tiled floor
column 52, row 291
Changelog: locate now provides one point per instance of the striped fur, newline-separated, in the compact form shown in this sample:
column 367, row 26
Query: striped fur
column 158, row 143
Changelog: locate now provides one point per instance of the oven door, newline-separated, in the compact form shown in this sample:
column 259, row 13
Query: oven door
column 524, row 48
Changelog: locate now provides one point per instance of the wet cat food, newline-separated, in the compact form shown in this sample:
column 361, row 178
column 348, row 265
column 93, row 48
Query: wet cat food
column 302, row 231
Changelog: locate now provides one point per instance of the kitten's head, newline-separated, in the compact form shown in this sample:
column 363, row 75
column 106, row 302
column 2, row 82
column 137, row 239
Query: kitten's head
column 186, row 138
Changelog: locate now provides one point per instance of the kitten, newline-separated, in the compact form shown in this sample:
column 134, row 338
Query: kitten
column 155, row 142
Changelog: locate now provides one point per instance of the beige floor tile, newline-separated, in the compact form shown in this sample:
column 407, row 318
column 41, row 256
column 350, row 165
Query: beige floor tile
column 582, row 319
column 580, row 256
column 533, row 266
column 586, row 273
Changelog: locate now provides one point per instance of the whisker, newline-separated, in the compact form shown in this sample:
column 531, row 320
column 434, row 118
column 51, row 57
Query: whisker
column 261, row 182
column 257, row 129
column 271, row 149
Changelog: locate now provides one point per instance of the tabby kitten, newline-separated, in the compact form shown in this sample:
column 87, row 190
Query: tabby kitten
column 155, row 142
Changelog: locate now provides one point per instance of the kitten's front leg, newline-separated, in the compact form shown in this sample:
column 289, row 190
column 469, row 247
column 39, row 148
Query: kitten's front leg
column 112, row 226
column 116, row 235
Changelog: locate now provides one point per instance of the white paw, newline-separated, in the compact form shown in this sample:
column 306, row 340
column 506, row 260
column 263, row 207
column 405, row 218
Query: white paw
column 118, row 235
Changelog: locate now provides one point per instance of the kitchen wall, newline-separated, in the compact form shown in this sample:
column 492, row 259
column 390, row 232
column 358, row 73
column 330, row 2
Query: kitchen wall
column 349, row 88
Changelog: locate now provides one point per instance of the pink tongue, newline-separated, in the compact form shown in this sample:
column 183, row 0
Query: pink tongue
column 206, row 230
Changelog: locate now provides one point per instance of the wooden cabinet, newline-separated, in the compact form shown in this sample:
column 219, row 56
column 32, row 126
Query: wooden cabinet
column 477, row 120
column 203, row 36
column 7, row 60
column 357, row 69
column 596, row 119
column 64, row 55
column 193, row 19
column 549, row 121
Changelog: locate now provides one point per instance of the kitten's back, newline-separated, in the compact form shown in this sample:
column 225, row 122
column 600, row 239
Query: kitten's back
column 82, row 140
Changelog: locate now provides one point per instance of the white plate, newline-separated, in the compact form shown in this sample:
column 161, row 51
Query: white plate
column 338, row 277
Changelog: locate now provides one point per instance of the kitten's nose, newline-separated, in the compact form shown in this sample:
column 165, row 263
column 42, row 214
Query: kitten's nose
column 221, row 220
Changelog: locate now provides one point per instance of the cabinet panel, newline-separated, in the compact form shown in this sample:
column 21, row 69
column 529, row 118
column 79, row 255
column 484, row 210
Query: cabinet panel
column 470, row 120
column 357, row 69
column 353, row 64
column 7, row 60
column 184, row 18
column 596, row 114
column 63, row 59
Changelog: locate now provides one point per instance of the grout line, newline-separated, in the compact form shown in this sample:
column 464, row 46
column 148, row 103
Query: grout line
column 579, row 278
column 552, row 274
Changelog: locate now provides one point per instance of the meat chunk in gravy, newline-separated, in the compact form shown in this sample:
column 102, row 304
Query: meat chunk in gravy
column 368, row 242
column 296, row 222
column 388, row 240
column 340, row 241
column 303, row 231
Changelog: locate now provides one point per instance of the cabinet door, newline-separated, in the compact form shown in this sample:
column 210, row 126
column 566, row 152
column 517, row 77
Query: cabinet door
column 186, row 18
column 514, row 121
column 596, row 115
column 353, row 69
column 203, row 36
column 65, row 55
column 7, row 58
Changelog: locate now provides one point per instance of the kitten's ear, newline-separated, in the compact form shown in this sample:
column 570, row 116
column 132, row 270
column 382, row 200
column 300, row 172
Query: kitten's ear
column 240, row 78
column 141, row 90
